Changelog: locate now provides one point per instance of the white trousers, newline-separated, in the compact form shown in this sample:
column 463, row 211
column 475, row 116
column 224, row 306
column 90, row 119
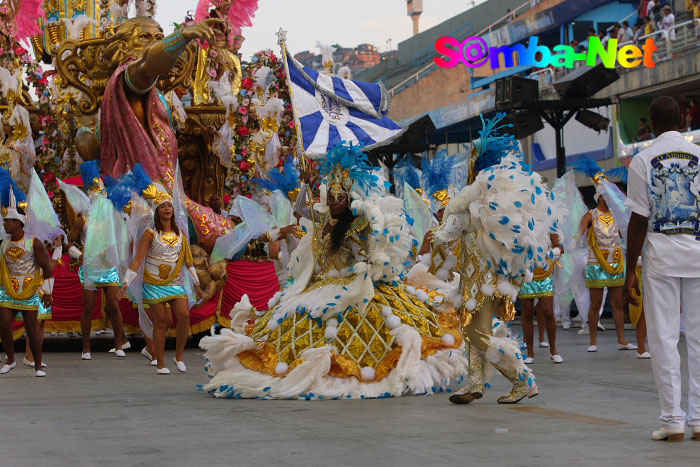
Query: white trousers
column 582, row 297
column 663, row 298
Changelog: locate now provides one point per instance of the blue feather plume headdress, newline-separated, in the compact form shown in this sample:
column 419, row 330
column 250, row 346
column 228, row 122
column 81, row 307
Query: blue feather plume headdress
column 590, row 167
column 90, row 171
column 493, row 144
column 346, row 168
column 409, row 172
column 286, row 181
column 436, row 178
column 121, row 192
column 618, row 174
column 12, row 197
column 7, row 182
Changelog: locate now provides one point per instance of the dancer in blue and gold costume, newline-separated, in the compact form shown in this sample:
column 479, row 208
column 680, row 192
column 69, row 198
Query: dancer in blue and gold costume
column 26, row 280
column 100, row 230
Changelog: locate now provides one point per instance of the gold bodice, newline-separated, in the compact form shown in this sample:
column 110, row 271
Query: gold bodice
column 20, row 257
column 606, row 233
column 330, row 264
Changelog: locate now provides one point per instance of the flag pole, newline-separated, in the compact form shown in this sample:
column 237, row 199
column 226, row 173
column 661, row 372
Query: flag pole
column 282, row 42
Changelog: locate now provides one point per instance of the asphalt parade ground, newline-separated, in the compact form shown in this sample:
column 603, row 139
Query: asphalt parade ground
column 594, row 409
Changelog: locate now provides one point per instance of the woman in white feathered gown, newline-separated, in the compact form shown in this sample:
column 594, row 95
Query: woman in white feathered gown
column 345, row 326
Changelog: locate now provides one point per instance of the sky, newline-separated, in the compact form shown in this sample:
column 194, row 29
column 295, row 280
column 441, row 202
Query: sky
column 345, row 22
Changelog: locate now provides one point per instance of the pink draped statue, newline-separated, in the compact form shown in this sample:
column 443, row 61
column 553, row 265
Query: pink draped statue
column 126, row 142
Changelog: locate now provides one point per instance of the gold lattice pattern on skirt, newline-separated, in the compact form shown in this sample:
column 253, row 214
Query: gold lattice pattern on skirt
column 366, row 340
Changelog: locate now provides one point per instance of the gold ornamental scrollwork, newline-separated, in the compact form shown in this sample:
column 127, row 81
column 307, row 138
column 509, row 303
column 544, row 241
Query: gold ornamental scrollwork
column 80, row 61
column 82, row 65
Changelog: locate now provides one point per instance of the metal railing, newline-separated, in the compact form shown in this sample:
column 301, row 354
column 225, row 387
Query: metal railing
column 679, row 37
column 686, row 37
column 415, row 77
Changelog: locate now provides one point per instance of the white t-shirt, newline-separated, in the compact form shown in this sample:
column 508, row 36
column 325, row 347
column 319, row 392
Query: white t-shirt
column 664, row 186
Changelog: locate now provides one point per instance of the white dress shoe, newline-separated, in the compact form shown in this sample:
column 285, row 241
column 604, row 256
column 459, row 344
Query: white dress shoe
column 627, row 346
column 180, row 366
column 125, row 346
column 601, row 327
column 643, row 356
column 566, row 325
column 40, row 373
column 86, row 356
column 27, row 362
column 528, row 360
column 544, row 344
column 583, row 332
column 120, row 353
column 162, row 371
column 154, row 362
column 670, row 434
column 6, row 368
column 593, row 348
column 557, row 358
column 147, row 354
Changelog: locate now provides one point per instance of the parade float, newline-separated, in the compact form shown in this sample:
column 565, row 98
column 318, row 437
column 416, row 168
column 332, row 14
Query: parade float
column 228, row 121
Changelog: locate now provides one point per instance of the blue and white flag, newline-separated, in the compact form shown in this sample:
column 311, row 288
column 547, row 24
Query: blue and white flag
column 331, row 110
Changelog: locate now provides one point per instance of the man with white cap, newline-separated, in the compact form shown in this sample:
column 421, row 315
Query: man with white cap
column 26, row 280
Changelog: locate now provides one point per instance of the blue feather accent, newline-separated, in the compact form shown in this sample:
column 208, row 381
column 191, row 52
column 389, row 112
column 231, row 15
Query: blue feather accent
column 436, row 174
column 141, row 178
column 120, row 194
column 587, row 166
column 618, row 174
column 493, row 145
column 409, row 172
column 6, row 182
column 352, row 160
column 89, row 170
column 285, row 181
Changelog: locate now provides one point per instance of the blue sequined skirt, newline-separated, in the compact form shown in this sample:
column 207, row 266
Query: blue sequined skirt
column 537, row 289
column 597, row 278
column 153, row 294
column 101, row 277
column 31, row 304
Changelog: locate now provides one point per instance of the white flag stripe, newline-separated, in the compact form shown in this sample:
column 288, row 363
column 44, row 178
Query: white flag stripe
column 305, row 105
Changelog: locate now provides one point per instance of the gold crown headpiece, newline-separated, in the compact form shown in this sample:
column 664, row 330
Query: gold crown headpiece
column 156, row 196
column 97, row 187
column 600, row 177
column 443, row 196
column 339, row 181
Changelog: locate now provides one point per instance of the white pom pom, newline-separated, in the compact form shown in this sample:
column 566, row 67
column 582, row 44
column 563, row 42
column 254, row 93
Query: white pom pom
column 281, row 368
column 331, row 332
column 471, row 304
column 422, row 295
column 448, row 339
column 386, row 311
column 392, row 321
column 487, row 289
column 411, row 290
column 272, row 324
column 367, row 373
column 332, row 323
column 506, row 288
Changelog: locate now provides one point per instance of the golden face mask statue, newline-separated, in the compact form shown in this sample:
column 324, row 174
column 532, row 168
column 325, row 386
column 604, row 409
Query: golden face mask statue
column 131, row 39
